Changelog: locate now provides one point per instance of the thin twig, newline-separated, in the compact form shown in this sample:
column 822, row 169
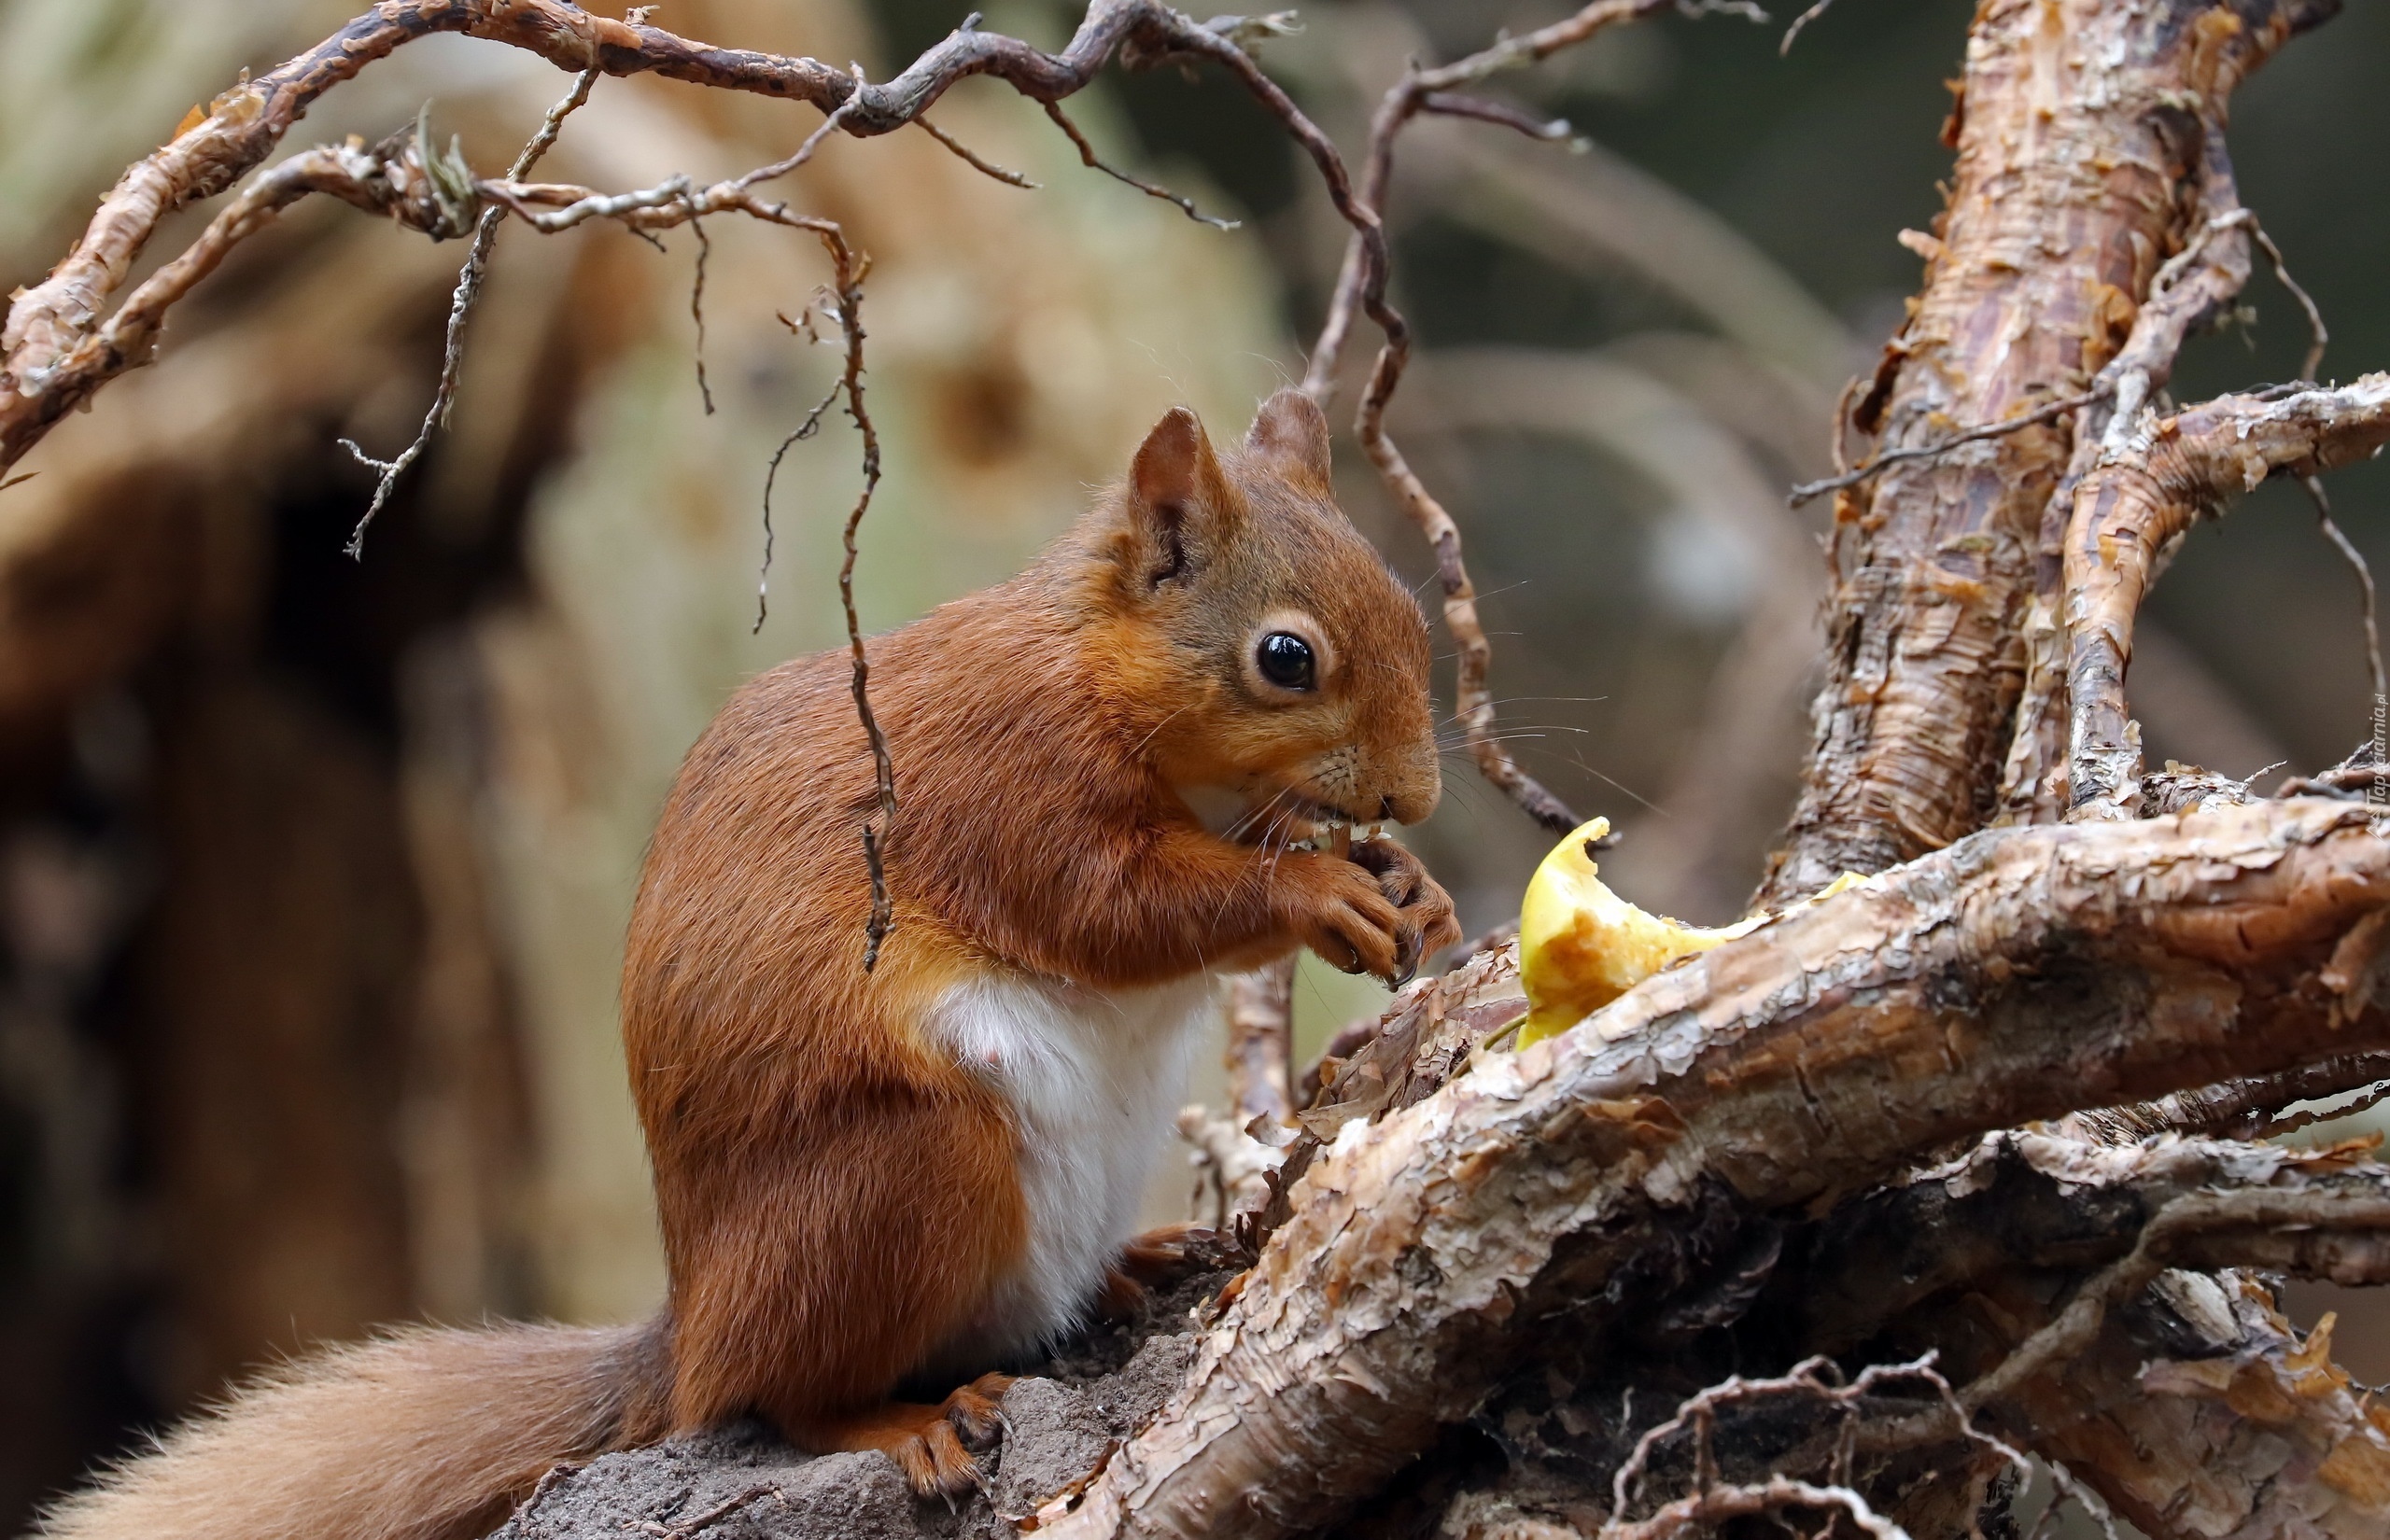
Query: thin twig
column 1885, row 461
column 831, row 122
column 1010, row 178
column 2196, row 1213
column 2318, row 335
column 2248, row 1109
column 2355, row 558
column 874, row 837
column 1799, row 24
column 460, row 309
column 806, row 429
column 1445, row 104
column 1151, row 189
column 1361, row 288
column 550, row 1479
column 698, row 308
column 712, row 1516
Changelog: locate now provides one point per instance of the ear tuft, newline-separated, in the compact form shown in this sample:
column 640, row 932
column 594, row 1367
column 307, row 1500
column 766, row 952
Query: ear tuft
column 1290, row 433
column 1175, row 482
column 1169, row 467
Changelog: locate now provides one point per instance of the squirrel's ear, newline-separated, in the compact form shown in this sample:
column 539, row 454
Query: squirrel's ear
column 1176, row 492
column 1291, row 434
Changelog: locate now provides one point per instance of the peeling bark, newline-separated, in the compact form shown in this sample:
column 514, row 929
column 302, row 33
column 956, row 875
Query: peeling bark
column 2139, row 499
column 2195, row 1410
column 1997, row 981
column 2083, row 130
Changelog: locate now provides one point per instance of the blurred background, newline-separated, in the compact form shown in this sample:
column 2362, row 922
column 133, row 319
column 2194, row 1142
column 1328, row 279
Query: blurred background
column 313, row 873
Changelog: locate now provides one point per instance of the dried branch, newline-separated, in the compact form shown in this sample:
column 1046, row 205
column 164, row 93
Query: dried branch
column 803, row 430
column 2160, row 1244
column 875, row 835
column 1971, row 989
column 1260, row 1045
column 460, row 310
column 2240, row 1109
column 2193, row 288
column 1361, row 288
column 2314, row 485
column 1715, row 1503
column 736, row 1502
column 1941, row 555
column 1801, row 24
column 1151, row 189
column 971, row 157
column 2138, row 500
column 1977, row 1257
column 2046, row 412
column 56, row 350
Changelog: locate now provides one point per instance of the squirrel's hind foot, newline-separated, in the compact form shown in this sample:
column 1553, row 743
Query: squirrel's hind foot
column 931, row 1445
column 1156, row 1259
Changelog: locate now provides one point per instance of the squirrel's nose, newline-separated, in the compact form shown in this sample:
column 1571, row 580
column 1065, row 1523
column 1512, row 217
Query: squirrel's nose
column 1408, row 804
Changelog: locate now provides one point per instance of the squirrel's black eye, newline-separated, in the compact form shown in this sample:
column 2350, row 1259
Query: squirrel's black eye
column 1284, row 659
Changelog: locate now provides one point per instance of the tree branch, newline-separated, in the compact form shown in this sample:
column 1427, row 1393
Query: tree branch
column 2142, row 497
column 1361, row 288
column 49, row 360
column 1990, row 983
column 2109, row 140
column 2024, row 1237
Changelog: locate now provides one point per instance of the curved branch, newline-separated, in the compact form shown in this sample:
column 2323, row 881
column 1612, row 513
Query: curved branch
column 46, row 358
column 2088, row 141
column 2140, row 498
column 2180, row 1406
column 2003, row 979
column 1361, row 285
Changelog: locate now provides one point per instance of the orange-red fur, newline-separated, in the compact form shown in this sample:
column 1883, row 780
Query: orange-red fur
column 840, row 1198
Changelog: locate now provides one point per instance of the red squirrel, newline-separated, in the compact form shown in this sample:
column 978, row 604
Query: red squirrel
column 1110, row 773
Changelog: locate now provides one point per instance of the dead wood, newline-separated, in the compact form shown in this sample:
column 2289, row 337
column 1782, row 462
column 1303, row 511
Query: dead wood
column 2083, row 133
column 1450, row 1212
column 1968, row 990
column 2138, row 498
column 2185, row 1397
column 53, row 354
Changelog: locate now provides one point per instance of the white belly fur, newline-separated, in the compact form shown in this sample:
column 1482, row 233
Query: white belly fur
column 1093, row 1077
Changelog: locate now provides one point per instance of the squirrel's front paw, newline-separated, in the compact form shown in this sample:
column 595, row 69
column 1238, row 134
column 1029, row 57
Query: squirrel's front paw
column 1377, row 912
column 1428, row 922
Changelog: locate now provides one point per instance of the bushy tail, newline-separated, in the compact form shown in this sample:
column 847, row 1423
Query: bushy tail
column 424, row 1434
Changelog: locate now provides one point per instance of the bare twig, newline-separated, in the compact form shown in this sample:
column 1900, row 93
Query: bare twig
column 1951, row 1419
column 2196, row 1213
column 1443, row 104
column 59, row 345
column 1151, row 189
column 698, row 308
column 2046, row 412
column 712, row 1516
column 803, row 430
column 2141, row 498
column 875, row 835
column 553, row 1477
column 1010, row 178
column 1260, row 1045
column 2355, row 558
column 460, row 310
column 2236, row 1109
column 1714, row 1503
column 1800, row 24
column 1361, row 288
column 2319, row 336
